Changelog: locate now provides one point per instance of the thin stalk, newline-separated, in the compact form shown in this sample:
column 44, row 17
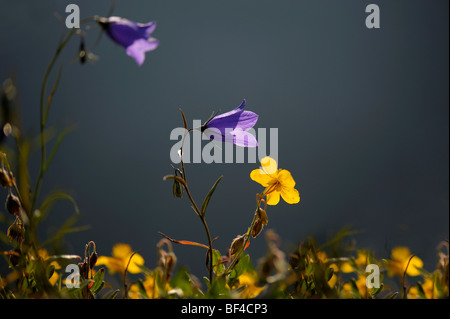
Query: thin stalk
column 194, row 205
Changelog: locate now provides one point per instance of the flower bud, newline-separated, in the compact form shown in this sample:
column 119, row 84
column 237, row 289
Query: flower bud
column 262, row 216
column 93, row 260
column 13, row 204
column 257, row 228
column 5, row 180
column 237, row 245
column 84, row 269
column 177, row 190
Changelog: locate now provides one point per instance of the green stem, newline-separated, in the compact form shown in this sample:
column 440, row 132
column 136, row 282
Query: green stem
column 197, row 210
column 205, row 225
column 246, row 237
column 43, row 117
column 44, row 111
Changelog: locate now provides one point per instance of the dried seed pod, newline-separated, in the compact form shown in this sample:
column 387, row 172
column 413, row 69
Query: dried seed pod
column 5, row 180
column 16, row 232
column 13, row 204
column 14, row 257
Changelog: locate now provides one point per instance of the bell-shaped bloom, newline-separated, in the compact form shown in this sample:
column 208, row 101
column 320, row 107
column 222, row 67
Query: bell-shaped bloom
column 277, row 182
column 134, row 37
column 232, row 127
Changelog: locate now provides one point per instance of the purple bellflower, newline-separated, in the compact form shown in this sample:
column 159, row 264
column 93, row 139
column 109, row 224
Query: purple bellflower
column 232, row 127
column 133, row 36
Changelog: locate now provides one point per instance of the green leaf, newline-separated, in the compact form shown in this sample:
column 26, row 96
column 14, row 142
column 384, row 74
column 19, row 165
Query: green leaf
column 420, row 291
column 218, row 288
column 355, row 290
column 218, row 265
column 375, row 291
column 392, row 295
column 65, row 229
column 56, row 146
column 50, row 271
column 242, row 266
column 51, row 199
column 208, row 197
column 111, row 294
column 183, row 281
column 98, row 281
column 141, row 288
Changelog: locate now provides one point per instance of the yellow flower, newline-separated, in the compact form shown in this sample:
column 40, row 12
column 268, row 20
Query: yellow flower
column 322, row 256
column 43, row 253
column 151, row 288
column 120, row 257
column 248, row 280
column 360, row 261
column 429, row 288
column 360, row 284
column 276, row 181
column 400, row 258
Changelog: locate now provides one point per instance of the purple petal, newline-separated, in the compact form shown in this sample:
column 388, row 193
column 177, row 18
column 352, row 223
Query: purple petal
column 138, row 48
column 123, row 31
column 243, row 138
column 231, row 113
column 147, row 28
column 247, row 120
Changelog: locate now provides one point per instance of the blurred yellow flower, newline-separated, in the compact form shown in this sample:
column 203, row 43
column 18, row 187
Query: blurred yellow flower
column 43, row 253
column 322, row 256
column 151, row 288
column 429, row 290
column 400, row 258
column 248, row 280
column 360, row 261
column 276, row 181
column 360, row 284
column 121, row 254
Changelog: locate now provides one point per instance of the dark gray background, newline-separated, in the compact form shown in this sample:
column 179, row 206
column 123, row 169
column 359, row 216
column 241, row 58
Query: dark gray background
column 362, row 117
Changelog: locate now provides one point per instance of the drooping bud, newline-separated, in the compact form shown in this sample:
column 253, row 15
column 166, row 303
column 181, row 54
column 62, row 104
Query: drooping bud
column 93, row 260
column 5, row 180
column 177, row 189
column 84, row 269
column 13, row 204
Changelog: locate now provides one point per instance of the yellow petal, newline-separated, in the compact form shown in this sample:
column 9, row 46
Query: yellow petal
column 133, row 268
column 415, row 262
column 346, row 267
column 262, row 178
column 290, row 195
column 269, row 165
column 273, row 198
column 400, row 253
column 121, row 251
column 285, row 178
